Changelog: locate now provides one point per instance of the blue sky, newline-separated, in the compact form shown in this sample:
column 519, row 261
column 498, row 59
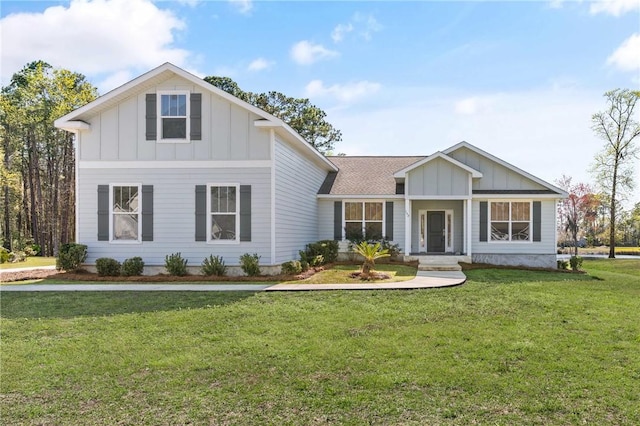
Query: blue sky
column 519, row 79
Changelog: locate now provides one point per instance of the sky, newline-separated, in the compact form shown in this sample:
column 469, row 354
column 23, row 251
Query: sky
column 518, row 79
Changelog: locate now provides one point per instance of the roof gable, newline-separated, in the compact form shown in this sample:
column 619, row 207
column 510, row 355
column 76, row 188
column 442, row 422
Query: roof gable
column 402, row 173
column 458, row 149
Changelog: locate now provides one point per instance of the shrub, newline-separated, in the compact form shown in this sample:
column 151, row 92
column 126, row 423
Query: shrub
column 71, row 256
column 4, row 255
column 575, row 262
column 107, row 267
column 317, row 261
column 563, row 264
column 17, row 256
column 250, row 264
column 132, row 267
column 292, row 267
column 328, row 249
column 214, row 265
column 175, row 264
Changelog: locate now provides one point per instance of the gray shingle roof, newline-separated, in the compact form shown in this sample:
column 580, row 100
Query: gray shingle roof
column 365, row 175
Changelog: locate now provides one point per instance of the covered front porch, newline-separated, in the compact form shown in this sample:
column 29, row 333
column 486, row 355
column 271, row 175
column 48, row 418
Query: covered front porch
column 438, row 227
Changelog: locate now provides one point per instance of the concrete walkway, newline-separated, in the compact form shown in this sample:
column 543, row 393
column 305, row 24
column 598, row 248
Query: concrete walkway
column 424, row 279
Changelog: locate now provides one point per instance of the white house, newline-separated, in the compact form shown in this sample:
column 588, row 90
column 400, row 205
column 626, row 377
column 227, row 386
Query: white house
column 169, row 163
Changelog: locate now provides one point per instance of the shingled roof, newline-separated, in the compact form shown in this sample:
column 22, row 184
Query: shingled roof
column 364, row 175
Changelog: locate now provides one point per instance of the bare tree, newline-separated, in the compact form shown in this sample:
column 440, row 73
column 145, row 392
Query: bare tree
column 613, row 166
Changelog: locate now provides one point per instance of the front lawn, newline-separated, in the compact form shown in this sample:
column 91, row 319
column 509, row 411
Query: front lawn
column 342, row 274
column 30, row 262
column 505, row 348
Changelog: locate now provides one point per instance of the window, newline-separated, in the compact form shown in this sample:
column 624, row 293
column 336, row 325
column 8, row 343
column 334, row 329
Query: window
column 510, row 221
column 125, row 213
column 173, row 112
column 363, row 218
column 223, row 213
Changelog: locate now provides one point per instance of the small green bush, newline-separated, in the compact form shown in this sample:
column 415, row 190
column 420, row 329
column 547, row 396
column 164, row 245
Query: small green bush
column 214, row 265
column 563, row 264
column 71, row 256
column 250, row 264
column 292, row 267
column 328, row 249
column 4, row 255
column 317, row 261
column 107, row 267
column 17, row 256
column 576, row 262
column 132, row 267
column 175, row 264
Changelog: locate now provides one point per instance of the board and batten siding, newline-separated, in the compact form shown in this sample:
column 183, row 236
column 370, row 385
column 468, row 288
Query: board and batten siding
column 228, row 131
column 546, row 245
column 438, row 177
column 494, row 175
column 174, row 213
column 297, row 180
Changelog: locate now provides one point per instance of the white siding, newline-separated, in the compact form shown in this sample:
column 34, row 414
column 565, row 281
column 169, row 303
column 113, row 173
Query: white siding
column 438, row 177
column 399, row 216
column 494, row 175
column 228, row 131
column 325, row 219
column 546, row 245
column 174, row 214
column 297, row 183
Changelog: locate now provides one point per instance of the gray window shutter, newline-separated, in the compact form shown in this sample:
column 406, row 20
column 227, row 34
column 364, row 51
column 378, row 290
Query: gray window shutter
column 245, row 212
column 147, row 212
column 103, row 212
column 537, row 221
column 484, row 218
column 151, row 117
column 389, row 220
column 337, row 220
column 196, row 116
column 201, row 212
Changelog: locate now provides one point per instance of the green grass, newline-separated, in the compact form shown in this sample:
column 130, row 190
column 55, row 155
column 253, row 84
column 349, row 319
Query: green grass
column 527, row 348
column 340, row 274
column 30, row 262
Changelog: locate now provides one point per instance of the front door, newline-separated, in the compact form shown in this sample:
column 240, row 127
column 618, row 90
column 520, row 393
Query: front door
column 435, row 232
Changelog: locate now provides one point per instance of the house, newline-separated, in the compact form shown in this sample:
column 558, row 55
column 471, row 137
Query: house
column 169, row 163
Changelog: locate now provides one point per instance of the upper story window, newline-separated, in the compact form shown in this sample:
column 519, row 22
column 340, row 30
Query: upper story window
column 173, row 123
column 510, row 221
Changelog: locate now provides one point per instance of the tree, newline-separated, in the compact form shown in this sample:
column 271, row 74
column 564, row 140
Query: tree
column 613, row 166
column 40, row 156
column 576, row 208
column 370, row 253
column 306, row 119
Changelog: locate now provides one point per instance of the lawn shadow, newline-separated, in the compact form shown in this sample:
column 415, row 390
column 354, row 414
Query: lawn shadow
column 92, row 304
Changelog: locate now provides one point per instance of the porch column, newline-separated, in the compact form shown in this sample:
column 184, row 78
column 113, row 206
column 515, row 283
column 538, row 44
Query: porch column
column 407, row 226
column 467, row 240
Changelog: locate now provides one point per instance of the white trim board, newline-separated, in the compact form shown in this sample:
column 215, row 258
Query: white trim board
column 171, row 164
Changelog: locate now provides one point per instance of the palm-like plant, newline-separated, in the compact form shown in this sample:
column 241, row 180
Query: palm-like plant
column 370, row 252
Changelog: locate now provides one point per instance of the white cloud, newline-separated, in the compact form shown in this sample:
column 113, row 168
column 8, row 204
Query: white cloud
column 614, row 7
column 98, row 37
column 474, row 105
column 259, row 64
column 627, row 56
column 306, row 53
column 338, row 33
column 345, row 93
column 243, row 6
column 361, row 24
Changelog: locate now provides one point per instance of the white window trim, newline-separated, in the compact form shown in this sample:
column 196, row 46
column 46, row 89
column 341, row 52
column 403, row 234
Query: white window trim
column 111, row 214
column 209, row 213
column 510, row 241
column 363, row 221
column 159, row 94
